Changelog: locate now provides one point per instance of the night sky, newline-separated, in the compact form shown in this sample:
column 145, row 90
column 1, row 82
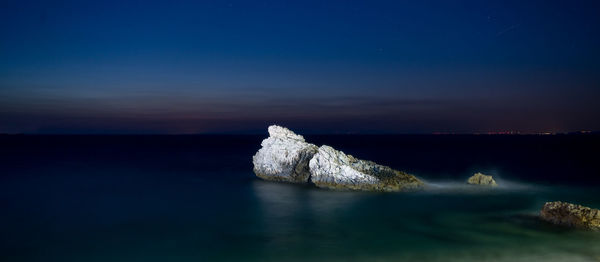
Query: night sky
column 315, row 66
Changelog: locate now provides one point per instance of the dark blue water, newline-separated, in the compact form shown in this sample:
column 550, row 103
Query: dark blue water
column 195, row 198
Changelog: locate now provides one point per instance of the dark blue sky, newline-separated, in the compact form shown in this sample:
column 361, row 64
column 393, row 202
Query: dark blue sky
column 315, row 66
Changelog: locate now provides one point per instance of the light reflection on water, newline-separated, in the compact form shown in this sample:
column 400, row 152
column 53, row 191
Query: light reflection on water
column 447, row 222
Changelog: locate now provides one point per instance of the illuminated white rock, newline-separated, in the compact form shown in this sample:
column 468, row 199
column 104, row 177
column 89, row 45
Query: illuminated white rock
column 284, row 156
column 333, row 169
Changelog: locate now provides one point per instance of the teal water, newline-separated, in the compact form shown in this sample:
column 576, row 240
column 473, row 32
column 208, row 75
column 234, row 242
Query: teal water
column 455, row 223
column 196, row 199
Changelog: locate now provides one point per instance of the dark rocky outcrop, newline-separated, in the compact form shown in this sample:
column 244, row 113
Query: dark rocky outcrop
column 571, row 215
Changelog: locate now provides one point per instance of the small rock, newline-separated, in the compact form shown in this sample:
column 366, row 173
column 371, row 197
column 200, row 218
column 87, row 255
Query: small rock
column 481, row 179
column 571, row 215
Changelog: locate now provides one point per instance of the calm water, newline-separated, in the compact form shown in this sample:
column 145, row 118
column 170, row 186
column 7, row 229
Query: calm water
column 195, row 198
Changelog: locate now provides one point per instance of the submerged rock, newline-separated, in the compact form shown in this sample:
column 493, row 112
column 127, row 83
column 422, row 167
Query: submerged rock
column 284, row 156
column 481, row 179
column 571, row 215
column 333, row 169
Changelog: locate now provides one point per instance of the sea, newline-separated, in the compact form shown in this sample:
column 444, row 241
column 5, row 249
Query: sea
column 195, row 198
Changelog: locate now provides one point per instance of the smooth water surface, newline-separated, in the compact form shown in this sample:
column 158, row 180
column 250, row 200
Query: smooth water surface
column 195, row 198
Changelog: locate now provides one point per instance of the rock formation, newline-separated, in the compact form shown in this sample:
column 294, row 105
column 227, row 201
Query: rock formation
column 571, row 215
column 333, row 169
column 481, row 179
column 286, row 156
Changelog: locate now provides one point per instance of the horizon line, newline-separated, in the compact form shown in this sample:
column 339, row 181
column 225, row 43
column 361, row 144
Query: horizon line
column 500, row 133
